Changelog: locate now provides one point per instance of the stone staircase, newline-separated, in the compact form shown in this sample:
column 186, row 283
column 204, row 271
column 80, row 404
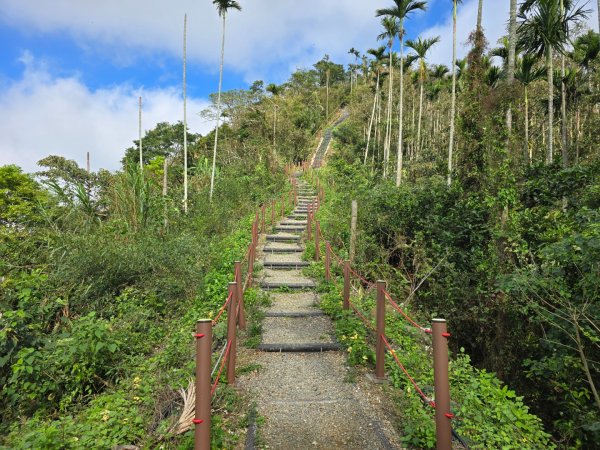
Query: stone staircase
column 300, row 389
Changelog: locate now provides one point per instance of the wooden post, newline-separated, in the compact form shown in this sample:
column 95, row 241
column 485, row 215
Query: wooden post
column 317, row 241
column 380, row 351
column 202, row 413
column 240, row 294
column 443, row 426
column 353, row 230
column 231, row 332
column 327, row 261
column 346, row 284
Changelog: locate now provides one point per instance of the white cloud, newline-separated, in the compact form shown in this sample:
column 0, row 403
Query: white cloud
column 42, row 115
column 494, row 22
column 267, row 33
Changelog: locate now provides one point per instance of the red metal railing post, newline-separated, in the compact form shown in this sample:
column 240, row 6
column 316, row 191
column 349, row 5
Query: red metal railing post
column 295, row 195
column 317, row 241
column 443, row 426
column 380, row 351
column 203, row 354
column 231, row 332
column 263, row 210
column 251, row 257
column 346, row 284
column 240, row 294
column 273, row 212
column 327, row 261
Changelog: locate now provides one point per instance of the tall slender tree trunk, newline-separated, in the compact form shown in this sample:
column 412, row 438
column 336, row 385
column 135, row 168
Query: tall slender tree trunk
column 399, row 161
column 388, row 127
column 327, row 101
column 479, row 15
column 563, row 105
column 140, row 135
column 418, row 147
column 550, row 69
column 598, row 14
column 372, row 120
column 274, row 128
column 512, row 45
column 185, row 156
column 214, row 162
column 563, row 113
column 528, row 151
column 164, row 193
column 453, row 107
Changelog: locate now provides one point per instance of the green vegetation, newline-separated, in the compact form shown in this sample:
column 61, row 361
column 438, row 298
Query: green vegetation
column 104, row 275
column 477, row 203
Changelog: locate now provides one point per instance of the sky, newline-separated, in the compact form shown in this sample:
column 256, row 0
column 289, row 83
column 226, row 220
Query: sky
column 72, row 71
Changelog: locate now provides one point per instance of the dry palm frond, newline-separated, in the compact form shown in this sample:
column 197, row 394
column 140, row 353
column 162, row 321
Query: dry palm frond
column 187, row 414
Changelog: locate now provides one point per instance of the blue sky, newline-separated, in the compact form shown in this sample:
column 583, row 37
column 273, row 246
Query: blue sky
column 71, row 71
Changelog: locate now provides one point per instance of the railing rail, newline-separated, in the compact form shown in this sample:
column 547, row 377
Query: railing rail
column 440, row 336
column 207, row 375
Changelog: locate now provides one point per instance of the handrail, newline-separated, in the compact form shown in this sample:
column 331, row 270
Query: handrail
column 444, row 431
column 205, row 388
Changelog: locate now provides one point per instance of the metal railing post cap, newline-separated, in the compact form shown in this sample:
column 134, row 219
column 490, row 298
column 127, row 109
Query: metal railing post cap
column 381, row 281
column 203, row 320
column 438, row 320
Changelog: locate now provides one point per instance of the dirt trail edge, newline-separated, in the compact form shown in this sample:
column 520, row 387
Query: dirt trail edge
column 303, row 389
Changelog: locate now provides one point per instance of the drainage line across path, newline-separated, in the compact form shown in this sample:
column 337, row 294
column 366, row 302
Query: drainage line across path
column 304, row 389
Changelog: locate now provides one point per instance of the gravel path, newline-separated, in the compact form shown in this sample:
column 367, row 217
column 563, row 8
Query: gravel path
column 306, row 398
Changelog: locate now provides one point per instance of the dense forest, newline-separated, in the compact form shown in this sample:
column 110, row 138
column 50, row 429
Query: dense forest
column 479, row 201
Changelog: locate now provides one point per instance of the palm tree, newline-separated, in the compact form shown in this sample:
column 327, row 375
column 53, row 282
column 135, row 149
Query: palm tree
column 185, row 167
column 480, row 16
column 275, row 91
column 353, row 77
column 586, row 49
column 222, row 7
column 421, row 47
column 493, row 76
column 502, row 52
column 401, row 10
column 453, row 106
column 598, row 14
column 392, row 28
column 544, row 29
column 527, row 73
column 512, row 45
column 378, row 54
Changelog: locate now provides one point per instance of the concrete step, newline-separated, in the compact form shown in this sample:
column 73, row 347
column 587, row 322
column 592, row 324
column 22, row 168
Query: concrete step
column 298, row 331
column 269, row 285
column 294, row 229
column 286, row 265
column 283, row 237
column 300, row 348
column 282, row 248
column 313, row 313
